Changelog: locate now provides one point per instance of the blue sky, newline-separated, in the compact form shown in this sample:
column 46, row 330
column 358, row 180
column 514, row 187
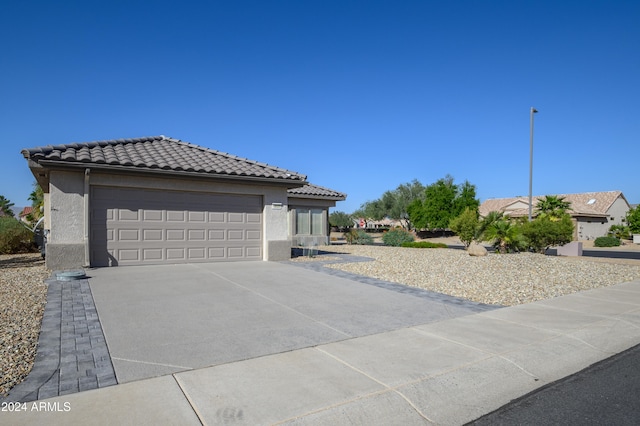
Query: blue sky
column 360, row 96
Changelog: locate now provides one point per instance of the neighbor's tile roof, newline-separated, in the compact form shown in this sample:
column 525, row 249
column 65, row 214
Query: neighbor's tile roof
column 25, row 211
column 582, row 204
column 316, row 191
column 158, row 153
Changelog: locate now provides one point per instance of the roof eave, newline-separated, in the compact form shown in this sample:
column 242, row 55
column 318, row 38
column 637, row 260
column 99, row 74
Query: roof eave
column 317, row 197
column 290, row 183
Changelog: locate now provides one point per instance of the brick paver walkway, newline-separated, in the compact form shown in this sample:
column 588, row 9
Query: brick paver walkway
column 72, row 353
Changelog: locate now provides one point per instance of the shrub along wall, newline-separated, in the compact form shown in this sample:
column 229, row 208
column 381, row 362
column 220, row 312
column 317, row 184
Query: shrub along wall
column 606, row 242
column 15, row 238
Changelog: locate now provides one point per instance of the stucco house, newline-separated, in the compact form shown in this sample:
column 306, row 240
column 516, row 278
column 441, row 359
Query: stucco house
column 592, row 213
column 157, row 200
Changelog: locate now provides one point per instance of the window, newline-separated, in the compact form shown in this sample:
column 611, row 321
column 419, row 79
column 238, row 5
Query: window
column 309, row 222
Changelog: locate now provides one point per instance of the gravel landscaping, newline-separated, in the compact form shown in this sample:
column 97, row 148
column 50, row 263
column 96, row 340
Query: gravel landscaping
column 503, row 279
column 22, row 301
column 508, row 279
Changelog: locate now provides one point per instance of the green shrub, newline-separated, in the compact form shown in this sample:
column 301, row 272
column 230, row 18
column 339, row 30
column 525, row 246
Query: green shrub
column 545, row 231
column 465, row 226
column 619, row 231
column 633, row 220
column 358, row 236
column 423, row 244
column 606, row 242
column 397, row 237
column 14, row 238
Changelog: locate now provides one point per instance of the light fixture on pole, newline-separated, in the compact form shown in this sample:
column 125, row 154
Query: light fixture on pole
column 533, row 111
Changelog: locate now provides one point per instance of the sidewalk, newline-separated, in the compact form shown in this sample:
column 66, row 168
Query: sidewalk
column 448, row 373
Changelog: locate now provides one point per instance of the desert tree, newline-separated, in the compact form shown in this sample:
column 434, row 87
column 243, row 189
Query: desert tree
column 5, row 206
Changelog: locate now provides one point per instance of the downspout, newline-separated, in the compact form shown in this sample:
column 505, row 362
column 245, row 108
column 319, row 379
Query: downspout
column 87, row 213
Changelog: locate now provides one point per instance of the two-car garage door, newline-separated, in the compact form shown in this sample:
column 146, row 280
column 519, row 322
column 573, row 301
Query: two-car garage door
column 137, row 227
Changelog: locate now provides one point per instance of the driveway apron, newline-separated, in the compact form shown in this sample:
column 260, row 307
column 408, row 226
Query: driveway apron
column 160, row 320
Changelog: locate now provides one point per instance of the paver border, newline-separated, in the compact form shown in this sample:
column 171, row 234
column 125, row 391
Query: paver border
column 72, row 354
column 320, row 266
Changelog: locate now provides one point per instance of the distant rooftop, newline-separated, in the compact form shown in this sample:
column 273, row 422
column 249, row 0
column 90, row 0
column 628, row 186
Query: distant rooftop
column 595, row 204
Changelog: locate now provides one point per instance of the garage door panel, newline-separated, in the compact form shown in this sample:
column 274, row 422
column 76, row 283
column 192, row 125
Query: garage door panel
column 254, row 235
column 153, row 235
column 197, row 253
column 236, row 218
column 126, row 215
column 197, row 234
column 176, row 254
column 152, row 254
column 152, row 215
column 130, row 227
column 216, row 217
column 216, row 235
column 197, row 216
column 235, row 234
column 254, row 218
column 235, row 252
column 175, row 216
column 129, row 235
column 216, row 253
column 175, row 235
column 253, row 252
column 132, row 255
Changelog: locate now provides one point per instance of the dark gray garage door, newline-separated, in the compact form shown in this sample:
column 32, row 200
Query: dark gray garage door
column 136, row 227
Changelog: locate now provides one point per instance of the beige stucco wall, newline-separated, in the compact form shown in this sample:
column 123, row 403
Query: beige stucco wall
column 592, row 228
column 618, row 212
column 65, row 221
column 66, row 194
column 65, row 210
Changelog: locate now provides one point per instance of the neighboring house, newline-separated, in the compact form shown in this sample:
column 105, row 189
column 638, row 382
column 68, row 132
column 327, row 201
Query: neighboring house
column 386, row 223
column 592, row 213
column 158, row 200
column 24, row 213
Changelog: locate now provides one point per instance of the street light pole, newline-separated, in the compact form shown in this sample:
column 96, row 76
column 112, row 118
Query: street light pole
column 533, row 111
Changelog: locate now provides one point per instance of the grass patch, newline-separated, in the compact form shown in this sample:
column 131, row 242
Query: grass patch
column 423, row 244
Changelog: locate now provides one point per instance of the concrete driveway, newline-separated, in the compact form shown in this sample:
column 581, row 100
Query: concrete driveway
column 159, row 320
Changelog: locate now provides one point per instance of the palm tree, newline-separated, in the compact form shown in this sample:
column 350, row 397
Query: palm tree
column 5, row 206
column 486, row 222
column 552, row 206
column 37, row 202
column 505, row 235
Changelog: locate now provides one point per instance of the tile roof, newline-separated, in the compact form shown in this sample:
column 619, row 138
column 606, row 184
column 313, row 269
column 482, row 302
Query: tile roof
column 315, row 191
column 582, row 204
column 157, row 153
column 25, row 211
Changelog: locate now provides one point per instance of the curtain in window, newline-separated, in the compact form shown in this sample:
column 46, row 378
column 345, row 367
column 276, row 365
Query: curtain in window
column 302, row 221
column 316, row 222
column 309, row 222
